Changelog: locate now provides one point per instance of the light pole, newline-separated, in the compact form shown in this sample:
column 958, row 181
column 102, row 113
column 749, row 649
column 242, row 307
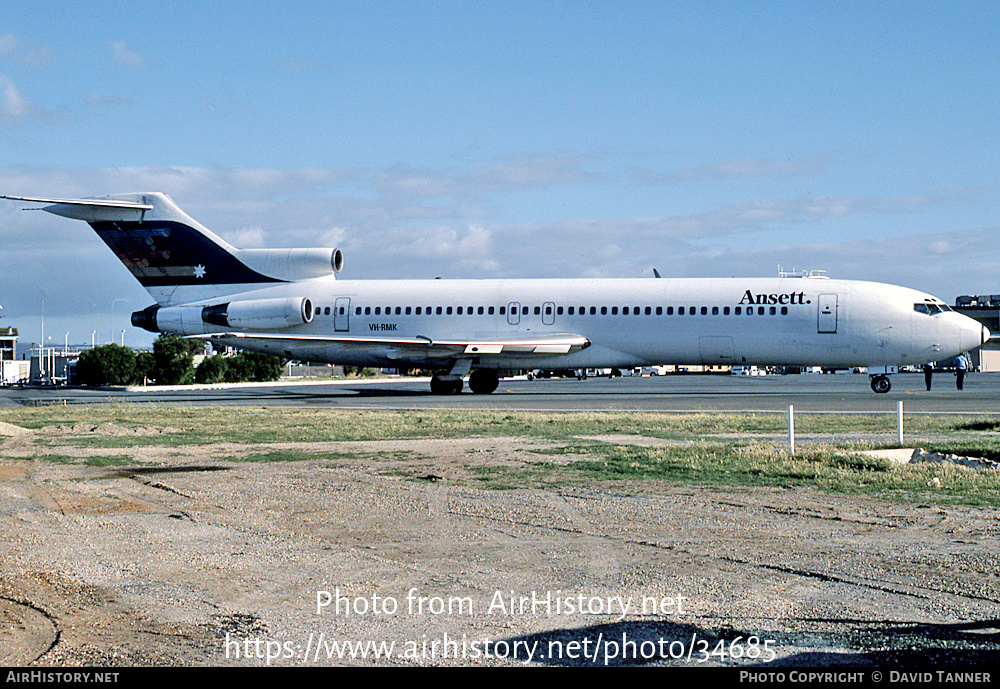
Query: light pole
column 125, row 299
column 41, row 342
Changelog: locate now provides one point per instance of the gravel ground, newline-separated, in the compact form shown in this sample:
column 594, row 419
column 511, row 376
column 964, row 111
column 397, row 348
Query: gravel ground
column 185, row 558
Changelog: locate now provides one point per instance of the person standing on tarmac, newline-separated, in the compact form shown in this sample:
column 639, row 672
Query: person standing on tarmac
column 960, row 367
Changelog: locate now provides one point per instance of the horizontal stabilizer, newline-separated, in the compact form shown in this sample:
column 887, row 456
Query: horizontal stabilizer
column 95, row 203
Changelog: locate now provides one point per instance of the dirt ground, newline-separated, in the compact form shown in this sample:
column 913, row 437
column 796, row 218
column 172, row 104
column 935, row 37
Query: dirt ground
column 383, row 554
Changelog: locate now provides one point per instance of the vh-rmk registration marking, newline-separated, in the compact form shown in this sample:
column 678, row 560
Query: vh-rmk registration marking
column 381, row 327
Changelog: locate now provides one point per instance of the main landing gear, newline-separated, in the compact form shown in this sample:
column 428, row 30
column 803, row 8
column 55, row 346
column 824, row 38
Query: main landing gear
column 482, row 381
column 446, row 385
column 881, row 384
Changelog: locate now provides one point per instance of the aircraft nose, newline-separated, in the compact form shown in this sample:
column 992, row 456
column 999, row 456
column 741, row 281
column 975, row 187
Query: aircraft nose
column 973, row 334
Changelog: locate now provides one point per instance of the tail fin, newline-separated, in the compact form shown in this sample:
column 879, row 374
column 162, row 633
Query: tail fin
column 177, row 259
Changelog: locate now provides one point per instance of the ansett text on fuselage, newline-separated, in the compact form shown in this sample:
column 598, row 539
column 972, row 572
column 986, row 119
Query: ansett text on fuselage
column 764, row 299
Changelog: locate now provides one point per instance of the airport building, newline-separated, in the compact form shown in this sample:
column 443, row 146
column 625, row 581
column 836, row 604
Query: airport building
column 986, row 310
column 12, row 370
column 51, row 365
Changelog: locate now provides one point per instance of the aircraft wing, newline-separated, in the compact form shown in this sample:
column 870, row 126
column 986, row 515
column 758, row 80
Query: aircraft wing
column 406, row 348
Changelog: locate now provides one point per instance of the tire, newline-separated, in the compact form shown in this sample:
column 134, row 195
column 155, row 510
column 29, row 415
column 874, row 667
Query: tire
column 440, row 385
column 483, row 381
column 881, row 384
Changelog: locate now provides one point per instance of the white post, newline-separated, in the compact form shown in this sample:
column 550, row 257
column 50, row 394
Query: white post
column 899, row 421
column 791, row 429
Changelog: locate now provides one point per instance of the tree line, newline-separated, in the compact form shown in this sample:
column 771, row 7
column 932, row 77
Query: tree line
column 172, row 363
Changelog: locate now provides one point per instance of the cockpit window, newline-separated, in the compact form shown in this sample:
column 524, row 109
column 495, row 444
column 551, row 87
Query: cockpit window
column 930, row 308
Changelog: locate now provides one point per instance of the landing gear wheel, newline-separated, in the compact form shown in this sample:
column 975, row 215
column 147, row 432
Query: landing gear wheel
column 483, row 381
column 881, row 384
column 442, row 385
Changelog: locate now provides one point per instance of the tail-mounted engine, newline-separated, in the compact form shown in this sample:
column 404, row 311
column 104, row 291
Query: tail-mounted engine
column 293, row 264
column 254, row 314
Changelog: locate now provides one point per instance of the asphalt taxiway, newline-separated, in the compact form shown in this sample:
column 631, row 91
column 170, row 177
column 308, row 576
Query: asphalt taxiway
column 679, row 393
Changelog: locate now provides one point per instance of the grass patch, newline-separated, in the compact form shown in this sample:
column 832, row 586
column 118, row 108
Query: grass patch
column 510, row 478
column 188, row 425
column 109, row 461
column 719, row 449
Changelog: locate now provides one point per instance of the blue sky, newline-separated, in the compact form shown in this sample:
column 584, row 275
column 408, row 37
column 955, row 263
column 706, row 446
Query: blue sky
column 488, row 139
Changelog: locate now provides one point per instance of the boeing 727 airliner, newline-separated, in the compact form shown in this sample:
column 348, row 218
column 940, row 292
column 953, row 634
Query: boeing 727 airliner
column 288, row 302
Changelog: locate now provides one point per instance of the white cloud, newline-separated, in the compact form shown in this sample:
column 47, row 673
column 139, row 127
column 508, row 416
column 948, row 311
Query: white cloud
column 96, row 100
column 333, row 237
column 249, row 238
column 739, row 168
column 13, row 47
column 125, row 56
column 475, row 250
column 13, row 106
column 480, row 178
column 386, row 232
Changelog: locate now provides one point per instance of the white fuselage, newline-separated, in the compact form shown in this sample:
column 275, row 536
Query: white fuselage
column 629, row 322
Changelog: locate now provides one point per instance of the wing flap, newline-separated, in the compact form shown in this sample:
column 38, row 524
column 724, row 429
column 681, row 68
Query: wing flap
column 547, row 345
